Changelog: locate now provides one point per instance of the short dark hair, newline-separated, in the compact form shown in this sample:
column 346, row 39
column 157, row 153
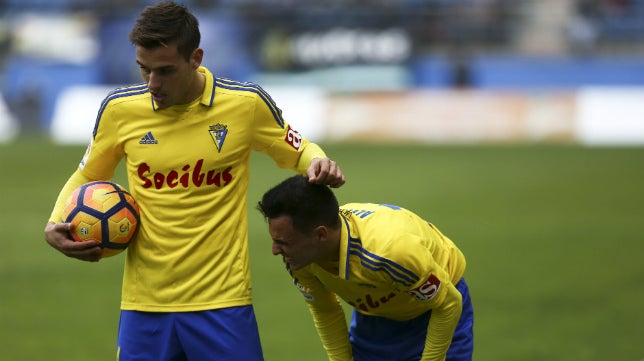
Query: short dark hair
column 309, row 205
column 165, row 23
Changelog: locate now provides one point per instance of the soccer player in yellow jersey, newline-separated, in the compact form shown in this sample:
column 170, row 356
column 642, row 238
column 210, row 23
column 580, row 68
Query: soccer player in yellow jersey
column 401, row 275
column 186, row 137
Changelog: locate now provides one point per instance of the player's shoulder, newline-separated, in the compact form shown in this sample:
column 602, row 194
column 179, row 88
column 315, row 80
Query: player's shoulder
column 380, row 226
column 240, row 88
column 355, row 207
column 371, row 210
column 126, row 94
column 242, row 91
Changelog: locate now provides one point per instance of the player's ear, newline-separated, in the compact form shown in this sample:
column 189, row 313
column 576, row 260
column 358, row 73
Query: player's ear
column 321, row 232
column 196, row 58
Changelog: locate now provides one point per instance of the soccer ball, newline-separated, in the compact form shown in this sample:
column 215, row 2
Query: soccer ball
column 105, row 212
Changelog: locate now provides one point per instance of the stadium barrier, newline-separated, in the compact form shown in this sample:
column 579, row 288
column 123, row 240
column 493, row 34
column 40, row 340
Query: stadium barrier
column 589, row 115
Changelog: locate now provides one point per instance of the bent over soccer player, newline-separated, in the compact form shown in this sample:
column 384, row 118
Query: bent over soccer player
column 186, row 137
column 402, row 276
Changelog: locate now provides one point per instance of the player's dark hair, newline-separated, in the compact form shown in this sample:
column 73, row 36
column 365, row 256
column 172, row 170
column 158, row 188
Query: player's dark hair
column 309, row 205
column 166, row 23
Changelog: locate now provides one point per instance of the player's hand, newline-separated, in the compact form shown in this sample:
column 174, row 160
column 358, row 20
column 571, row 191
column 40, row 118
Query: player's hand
column 325, row 171
column 57, row 235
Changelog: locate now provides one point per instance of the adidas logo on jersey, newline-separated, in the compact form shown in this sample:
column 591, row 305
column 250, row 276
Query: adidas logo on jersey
column 148, row 139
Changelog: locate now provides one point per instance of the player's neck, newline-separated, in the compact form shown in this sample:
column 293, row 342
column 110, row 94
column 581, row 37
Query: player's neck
column 197, row 89
column 329, row 255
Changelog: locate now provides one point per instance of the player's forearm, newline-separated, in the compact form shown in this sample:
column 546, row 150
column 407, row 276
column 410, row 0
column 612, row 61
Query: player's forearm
column 74, row 181
column 441, row 327
column 310, row 151
column 332, row 329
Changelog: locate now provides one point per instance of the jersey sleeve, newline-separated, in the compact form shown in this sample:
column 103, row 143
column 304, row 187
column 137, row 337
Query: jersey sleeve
column 75, row 180
column 434, row 286
column 430, row 275
column 327, row 314
column 279, row 140
column 442, row 325
column 104, row 151
column 99, row 162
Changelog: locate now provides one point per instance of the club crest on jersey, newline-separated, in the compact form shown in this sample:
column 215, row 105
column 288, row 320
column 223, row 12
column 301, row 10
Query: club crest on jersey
column 427, row 290
column 293, row 138
column 218, row 134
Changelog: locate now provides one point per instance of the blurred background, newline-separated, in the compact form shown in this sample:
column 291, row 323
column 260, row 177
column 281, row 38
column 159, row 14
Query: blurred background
column 515, row 126
column 440, row 70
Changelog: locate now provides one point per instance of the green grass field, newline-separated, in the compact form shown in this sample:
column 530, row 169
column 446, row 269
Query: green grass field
column 554, row 237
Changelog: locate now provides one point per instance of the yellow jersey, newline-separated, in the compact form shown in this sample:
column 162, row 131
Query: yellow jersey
column 188, row 169
column 393, row 264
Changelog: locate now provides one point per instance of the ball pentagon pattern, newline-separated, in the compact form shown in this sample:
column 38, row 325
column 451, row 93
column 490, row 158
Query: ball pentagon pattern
column 105, row 212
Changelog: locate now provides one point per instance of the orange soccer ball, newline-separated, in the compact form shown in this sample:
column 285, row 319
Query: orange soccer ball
column 103, row 211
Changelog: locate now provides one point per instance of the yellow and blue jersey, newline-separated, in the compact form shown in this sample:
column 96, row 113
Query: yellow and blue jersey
column 188, row 169
column 392, row 264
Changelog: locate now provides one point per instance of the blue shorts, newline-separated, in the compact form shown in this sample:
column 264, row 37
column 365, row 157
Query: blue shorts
column 227, row 334
column 381, row 339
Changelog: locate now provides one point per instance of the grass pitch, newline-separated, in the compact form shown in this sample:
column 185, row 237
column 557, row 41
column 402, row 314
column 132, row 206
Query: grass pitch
column 553, row 236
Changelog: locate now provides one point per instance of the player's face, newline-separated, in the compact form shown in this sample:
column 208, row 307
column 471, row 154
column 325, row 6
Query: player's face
column 171, row 79
column 298, row 249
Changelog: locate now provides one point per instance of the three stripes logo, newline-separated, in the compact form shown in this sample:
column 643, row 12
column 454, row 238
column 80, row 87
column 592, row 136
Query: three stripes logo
column 148, row 139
